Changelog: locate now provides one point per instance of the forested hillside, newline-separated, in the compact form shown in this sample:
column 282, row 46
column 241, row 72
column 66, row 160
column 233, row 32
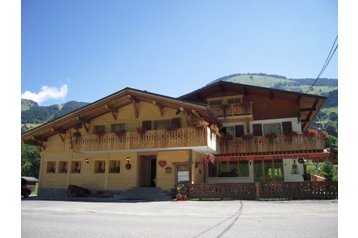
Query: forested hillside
column 33, row 115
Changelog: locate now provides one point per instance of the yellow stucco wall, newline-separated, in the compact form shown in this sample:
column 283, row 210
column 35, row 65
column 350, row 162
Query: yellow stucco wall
column 59, row 149
column 166, row 180
column 198, row 168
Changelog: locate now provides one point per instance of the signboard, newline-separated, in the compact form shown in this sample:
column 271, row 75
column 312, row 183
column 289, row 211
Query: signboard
column 183, row 176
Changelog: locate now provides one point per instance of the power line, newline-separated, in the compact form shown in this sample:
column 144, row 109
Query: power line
column 328, row 59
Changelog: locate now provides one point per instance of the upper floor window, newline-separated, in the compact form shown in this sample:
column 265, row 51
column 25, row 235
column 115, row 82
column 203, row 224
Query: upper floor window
column 272, row 128
column 118, row 127
column 234, row 131
column 99, row 129
column 234, row 100
column 161, row 124
column 215, row 102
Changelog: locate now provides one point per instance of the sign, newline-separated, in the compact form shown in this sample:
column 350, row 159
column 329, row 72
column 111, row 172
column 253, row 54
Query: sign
column 162, row 163
column 183, row 176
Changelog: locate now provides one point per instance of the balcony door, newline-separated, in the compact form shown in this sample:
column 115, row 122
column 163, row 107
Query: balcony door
column 147, row 170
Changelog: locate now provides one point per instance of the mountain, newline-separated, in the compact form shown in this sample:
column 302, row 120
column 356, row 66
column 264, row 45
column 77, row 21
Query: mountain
column 33, row 115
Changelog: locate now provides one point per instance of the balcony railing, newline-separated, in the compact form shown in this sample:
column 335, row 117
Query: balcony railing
column 151, row 139
column 257, row 144
column 237, row 109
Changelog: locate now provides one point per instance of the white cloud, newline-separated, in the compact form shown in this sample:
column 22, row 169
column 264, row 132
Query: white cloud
column 46, row 93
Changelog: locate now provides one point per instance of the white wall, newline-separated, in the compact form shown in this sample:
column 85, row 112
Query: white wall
column 296, row 125
column 287, row 167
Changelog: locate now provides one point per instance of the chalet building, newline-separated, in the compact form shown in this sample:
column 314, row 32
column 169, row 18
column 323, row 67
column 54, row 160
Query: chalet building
column 221, row 133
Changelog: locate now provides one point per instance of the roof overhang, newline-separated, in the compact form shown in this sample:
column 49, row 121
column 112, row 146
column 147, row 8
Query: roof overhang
column 111, row 104
column 309, row 104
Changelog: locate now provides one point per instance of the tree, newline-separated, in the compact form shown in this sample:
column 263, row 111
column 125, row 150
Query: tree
column 328, row 171
column 331, row 141
column 30, row 161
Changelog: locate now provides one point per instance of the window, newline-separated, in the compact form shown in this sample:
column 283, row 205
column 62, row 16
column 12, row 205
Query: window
column 76, row 167
column 216, row 102
column 272, row 128
column 63, row 166
column 286, row 127
column 176, row 122
column 147, row 125
column 229, row 169
column 257, row 129
column 234, row 131
column 118, row 127
column 161, row 124
column 99, row 166
column 114, row 166
column 268, row 170
column 51, row 167
column 244, row 168
column 233, row 100
column 99, row 129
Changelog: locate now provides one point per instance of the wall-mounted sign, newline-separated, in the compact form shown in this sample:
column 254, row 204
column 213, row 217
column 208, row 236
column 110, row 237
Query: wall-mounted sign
column 183, row 176
column 162, row 163
column 168, row 170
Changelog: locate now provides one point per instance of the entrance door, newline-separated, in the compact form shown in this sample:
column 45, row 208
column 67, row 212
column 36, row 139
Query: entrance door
column 147, row 170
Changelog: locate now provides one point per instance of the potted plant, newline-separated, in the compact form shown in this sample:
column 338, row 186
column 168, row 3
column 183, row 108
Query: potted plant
column 141, row 131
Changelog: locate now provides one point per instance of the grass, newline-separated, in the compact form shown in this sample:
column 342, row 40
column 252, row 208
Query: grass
column 36, row 190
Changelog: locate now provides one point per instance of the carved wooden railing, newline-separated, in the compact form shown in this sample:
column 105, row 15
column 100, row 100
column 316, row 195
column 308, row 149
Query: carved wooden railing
column 236, row 109
column 131, row 140
column 262, row 190
column 257, row 144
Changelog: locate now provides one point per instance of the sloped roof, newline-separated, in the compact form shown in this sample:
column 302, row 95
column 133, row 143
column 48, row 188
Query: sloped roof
column 310, row 104
column 111, row 103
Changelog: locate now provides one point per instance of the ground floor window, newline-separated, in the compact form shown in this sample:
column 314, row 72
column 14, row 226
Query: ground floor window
column 76, row 167
column 114, row 166
column 268, row 170
column 51, row 167
column 229, row 169
column 99, row 166
column 62, row 167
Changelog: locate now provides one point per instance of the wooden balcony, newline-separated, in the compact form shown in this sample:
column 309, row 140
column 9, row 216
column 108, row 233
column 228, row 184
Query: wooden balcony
column 181, row 138
column 238, row 109
column 258, row 144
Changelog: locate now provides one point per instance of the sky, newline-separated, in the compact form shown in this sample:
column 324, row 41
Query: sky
column 84, row 50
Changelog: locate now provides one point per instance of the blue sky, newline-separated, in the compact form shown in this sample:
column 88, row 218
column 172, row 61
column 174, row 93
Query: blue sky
column 84, row 50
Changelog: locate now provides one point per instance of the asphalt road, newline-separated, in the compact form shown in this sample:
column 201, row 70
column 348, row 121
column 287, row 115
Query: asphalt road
column 246, row 219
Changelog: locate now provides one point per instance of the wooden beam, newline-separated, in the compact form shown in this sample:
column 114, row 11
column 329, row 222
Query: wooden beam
column 195, row 113
column 308, row 109
column 135, row 108
column 187, row 119
column 159, row 106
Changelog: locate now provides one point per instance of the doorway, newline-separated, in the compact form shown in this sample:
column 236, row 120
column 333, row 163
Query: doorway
column 147, row 170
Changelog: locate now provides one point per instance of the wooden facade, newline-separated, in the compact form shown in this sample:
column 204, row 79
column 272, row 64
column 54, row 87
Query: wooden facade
column 134, row 138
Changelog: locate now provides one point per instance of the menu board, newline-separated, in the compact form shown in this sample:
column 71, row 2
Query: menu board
column 183, row 176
